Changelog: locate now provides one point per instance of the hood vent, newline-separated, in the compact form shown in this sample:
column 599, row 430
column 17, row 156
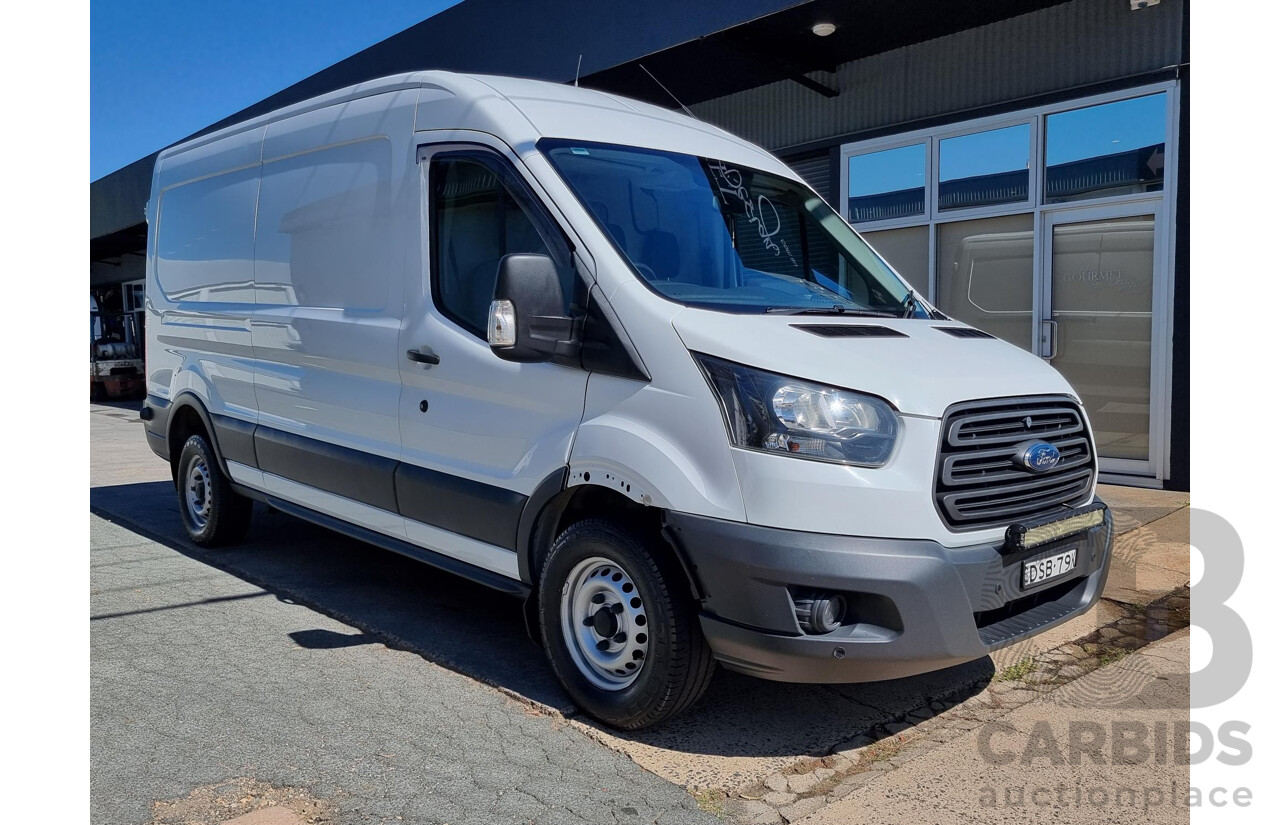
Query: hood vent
column 964, row 332
column 850, row 331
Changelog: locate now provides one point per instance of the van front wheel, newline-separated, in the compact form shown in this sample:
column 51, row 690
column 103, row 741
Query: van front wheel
column 212, row 512
column 620, row 628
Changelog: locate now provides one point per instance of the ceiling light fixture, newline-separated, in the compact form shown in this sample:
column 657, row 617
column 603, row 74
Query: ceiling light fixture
column 824, row 29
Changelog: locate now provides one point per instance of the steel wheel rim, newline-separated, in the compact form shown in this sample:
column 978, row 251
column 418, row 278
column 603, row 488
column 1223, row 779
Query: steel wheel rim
column 199, row 493
column 610, row 649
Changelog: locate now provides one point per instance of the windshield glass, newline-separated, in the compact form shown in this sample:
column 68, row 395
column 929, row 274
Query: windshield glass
column 707, row 233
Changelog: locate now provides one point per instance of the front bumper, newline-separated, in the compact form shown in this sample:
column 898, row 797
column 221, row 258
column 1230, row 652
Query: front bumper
column 916, row 606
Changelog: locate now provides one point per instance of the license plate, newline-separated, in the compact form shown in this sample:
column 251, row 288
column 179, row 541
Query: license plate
column 1040, row 571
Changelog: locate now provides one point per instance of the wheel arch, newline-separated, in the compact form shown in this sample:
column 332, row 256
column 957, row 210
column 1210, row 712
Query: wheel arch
column 187, row 417
column 554, row 507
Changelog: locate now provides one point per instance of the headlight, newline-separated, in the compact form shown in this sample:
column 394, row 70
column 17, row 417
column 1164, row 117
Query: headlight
column 774, row 413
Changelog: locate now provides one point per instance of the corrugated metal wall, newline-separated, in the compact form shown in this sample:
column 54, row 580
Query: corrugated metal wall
column 1059, row 48
column 816, row 171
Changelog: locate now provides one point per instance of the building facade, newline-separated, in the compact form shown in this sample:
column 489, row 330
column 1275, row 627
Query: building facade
column 1023, row 163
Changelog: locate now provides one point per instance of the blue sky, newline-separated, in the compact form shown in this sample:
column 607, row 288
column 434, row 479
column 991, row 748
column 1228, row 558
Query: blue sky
column 1072, row 135
column 162, row 70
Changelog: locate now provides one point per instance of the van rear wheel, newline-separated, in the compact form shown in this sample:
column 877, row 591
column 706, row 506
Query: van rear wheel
column 212, row 513
column 620, row 627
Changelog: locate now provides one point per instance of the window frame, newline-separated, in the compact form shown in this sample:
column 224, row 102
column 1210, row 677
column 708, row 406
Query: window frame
column 1034, row 158
column 1170, row 134
column 1035, row 204
column 559, row 246
column 874, row 147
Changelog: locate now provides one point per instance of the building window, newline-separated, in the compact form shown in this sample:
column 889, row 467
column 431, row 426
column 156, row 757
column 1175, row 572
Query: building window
column 907, row 251
column 1112, row 149
column 901, row 192
column 887, row 185
column 985, row 272
column 985, row 168
column 1052, row 228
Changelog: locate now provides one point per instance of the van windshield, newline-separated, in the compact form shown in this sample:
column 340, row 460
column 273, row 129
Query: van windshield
column 722, row 236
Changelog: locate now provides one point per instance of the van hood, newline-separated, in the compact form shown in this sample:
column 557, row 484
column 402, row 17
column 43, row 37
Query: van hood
column 915, row 364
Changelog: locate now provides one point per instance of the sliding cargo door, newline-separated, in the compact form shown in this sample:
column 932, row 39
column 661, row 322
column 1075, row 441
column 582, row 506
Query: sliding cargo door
column 329, row 269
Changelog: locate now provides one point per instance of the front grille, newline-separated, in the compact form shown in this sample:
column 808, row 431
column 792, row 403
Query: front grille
column 980, row 485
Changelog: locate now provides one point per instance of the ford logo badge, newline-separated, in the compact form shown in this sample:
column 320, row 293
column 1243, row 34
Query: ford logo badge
column 1037, row 456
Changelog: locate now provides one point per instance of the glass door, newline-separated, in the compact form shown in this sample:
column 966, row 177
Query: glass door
column 1096, row 325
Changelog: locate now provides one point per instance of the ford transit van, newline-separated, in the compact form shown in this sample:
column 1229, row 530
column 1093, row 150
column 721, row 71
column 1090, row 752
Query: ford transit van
column 616, row 362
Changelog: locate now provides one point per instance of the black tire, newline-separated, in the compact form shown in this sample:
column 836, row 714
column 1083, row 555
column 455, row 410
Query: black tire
column 679, row 664
column 224, row 515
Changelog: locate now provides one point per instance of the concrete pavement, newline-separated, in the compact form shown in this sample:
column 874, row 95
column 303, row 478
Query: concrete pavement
column 360, row 599
column 204, row 680
column 1057, row 760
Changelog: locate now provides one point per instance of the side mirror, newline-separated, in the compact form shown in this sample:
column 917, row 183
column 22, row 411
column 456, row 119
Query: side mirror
column 525, row 319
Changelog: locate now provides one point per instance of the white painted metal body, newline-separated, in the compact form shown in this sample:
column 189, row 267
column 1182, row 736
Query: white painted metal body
column 299, row 186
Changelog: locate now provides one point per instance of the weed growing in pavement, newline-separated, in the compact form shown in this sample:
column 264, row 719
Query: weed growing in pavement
column 711, row 800
column 1017, row 671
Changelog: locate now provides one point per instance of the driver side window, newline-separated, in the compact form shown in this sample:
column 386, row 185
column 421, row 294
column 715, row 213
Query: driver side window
column 475, row 222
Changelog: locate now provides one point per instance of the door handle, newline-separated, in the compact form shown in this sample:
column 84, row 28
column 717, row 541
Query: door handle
column 1049, row 339
column 421, row 357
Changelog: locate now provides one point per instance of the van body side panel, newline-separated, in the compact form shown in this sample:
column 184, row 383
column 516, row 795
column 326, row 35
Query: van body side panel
column 331, row 222
column 661, row 442
column 480, row 511
column 235, row 439
column 352, row 474
column 200, row 274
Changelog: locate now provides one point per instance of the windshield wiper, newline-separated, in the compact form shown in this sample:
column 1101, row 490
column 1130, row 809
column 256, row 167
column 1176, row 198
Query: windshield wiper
column 831, row 310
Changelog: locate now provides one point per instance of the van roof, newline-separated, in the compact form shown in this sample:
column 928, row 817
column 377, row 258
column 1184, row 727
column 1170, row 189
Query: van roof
column 520, row 111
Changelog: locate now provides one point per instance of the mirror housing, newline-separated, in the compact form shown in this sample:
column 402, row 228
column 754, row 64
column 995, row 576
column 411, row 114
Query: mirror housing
column 525, row 320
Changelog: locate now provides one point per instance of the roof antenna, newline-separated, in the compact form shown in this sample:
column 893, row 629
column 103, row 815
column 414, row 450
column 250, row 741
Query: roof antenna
column 668, row 91
column 577, row 72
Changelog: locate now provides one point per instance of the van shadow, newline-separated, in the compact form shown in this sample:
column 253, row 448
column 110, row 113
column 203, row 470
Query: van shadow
column 480, row 633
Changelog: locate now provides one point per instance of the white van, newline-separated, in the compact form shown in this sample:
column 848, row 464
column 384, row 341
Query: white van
column 615, row 361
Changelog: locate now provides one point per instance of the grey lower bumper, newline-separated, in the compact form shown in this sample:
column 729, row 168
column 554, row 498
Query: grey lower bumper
column 916, row 606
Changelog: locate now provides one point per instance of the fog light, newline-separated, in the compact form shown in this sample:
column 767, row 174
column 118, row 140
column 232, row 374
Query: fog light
column 820, row 613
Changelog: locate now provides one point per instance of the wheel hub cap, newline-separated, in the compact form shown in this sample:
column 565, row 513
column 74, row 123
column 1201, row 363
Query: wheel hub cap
column 604, row 623
column 198, row 497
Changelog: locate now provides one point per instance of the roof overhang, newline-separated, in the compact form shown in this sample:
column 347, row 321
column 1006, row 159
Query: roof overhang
column 698, row 51
column 783, row 45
